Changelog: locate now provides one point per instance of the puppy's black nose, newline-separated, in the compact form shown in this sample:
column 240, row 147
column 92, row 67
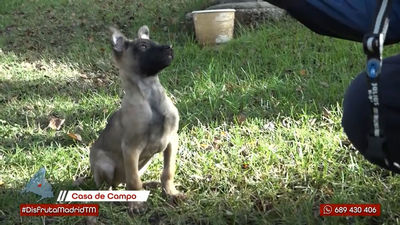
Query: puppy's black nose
column 167, row 46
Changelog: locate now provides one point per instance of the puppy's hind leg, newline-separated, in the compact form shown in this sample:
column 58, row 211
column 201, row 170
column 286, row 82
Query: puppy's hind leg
column 104, row 171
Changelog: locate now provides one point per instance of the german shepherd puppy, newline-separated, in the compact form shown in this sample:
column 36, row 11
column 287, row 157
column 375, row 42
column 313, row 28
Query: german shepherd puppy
column 146, row 123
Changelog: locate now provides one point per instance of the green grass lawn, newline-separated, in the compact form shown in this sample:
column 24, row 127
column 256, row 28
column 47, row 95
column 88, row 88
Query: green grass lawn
column 260, row 134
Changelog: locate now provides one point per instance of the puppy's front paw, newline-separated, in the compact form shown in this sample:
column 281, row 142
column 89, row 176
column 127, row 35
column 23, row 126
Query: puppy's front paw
column 175, row 197
column 135, row 208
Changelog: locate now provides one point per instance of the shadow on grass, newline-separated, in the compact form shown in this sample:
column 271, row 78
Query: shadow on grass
column 48, row 88
column 58, row 28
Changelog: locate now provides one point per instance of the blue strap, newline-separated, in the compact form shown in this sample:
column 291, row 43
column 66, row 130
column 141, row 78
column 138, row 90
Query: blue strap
column 373, row 48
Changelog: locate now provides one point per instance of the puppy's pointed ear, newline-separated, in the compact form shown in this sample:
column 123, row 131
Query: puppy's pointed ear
column 144, row 32
column 117, row 39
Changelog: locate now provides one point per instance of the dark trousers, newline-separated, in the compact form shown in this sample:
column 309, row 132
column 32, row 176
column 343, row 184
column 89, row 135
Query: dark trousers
column 357, row 117
column 318, row 21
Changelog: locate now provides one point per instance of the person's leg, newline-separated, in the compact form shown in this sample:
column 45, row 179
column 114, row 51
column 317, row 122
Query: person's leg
column 357, row 116
column 284, row 4
column 318, row 21
column 347, row 19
